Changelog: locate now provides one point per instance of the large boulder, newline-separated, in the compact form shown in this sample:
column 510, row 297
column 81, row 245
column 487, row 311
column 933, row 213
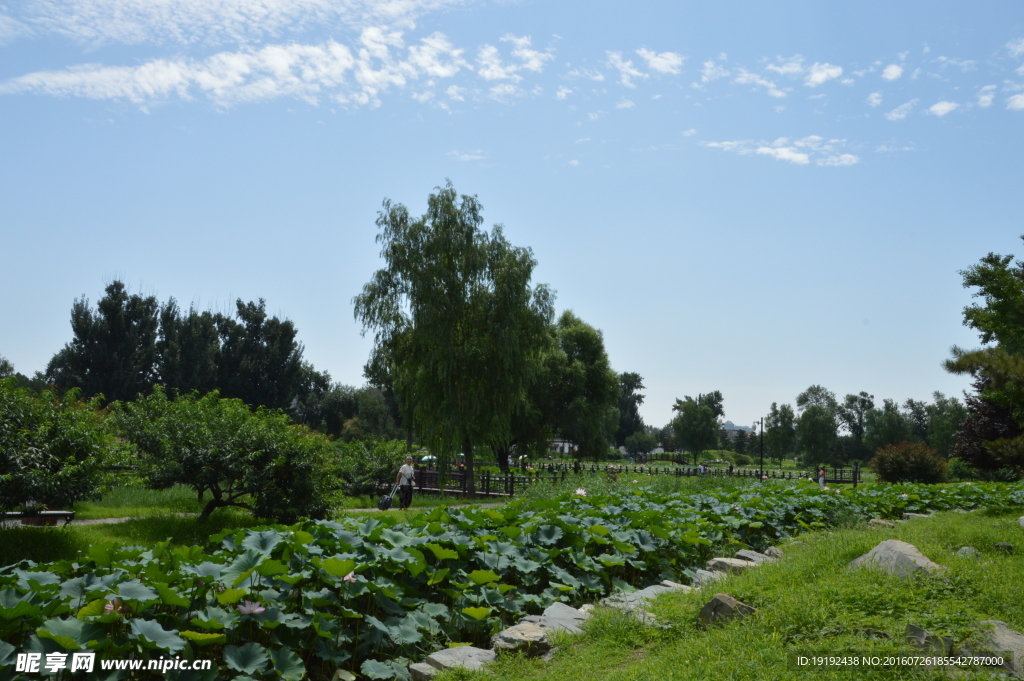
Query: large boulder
column 773, row 551
column 723, row 608
column 703, row 577
column 1020, row 521
column 754, row 556
column 525, row 637
column 469, row 657
column 1000, row 640
column 729, row 565
column 421, row 671
column 558, row 617
column 898, row 558
column 675, row 586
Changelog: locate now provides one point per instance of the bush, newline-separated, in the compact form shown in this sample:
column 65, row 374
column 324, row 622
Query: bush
column 742, row 460
column 52, row 450
column 958, row 469
column 257, row 461
column 908, row 462
column 362, row 465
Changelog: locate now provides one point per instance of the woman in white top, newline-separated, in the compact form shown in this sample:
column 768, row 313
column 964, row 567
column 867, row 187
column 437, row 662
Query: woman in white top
column 404, row 480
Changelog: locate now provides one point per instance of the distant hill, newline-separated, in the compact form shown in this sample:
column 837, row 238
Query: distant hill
column 729, row 425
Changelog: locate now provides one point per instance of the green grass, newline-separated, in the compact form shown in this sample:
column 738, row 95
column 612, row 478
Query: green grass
column 130, row 501
column 809, row 602
column 418, row 501
column 46, row 544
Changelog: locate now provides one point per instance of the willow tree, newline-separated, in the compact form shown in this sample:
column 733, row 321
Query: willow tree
column 455, row 316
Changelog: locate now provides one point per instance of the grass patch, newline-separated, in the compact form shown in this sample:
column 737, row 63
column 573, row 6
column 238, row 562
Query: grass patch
column 808, row 603
column 47, row 544
column 130, row 501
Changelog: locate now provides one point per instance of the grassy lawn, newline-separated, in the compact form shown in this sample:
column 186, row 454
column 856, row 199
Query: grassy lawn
column 808, row 603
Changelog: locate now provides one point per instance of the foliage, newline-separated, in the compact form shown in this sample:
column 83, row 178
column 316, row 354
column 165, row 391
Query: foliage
column 362, row 465
column 630, row 399
column 742, row 460
column 908, row 462
column 52, row 449
column 780, row 433
column 279, row 601
column 456, row 319
column 696, row 423
column 886, row 426
column 958, row 469
column 257, row 461
column 640, row 442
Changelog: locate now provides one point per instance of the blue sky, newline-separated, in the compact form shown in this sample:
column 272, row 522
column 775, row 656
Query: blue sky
column 744, row 196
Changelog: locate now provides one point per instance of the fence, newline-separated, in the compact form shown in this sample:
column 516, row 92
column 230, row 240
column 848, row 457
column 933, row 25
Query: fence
column 503, row 485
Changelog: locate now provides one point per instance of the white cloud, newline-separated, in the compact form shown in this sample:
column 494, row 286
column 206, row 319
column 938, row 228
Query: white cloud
column 1015, row 103
column 662, row 62
column 583, row 139
column 625, row 104
column 874, row 99
column 308, row 72
column 820, row 73
column 736, row 145
column 793, row 66
column 942, row 108
column 900, row 112
column 1016, row 47
column 887, row 148
column 492, row 67
column 563, row 92
column 11, row 28
column 690, row 133
column 455, row 92
column 962, row 64
column 892, row 72
column 745, row 77
column 839, row 160
column 625, row 68
column 216, row 21
column 477, row 155
column 986, row 95
column 712, row 71
column 503, row 91
column 785, row 154
column 586, row 73
column 574, row 162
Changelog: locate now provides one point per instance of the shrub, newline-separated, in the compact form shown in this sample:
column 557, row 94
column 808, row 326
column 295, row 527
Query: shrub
column 742, row 460
column 959, row 469
column 362, row 465
column 52, row 450
column 908, row 462
column 254, row 460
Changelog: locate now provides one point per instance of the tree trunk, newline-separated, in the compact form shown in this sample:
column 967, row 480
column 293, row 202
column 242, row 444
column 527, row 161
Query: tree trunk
column 467, row 446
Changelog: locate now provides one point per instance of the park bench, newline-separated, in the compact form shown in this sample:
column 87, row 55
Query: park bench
column 44, row 516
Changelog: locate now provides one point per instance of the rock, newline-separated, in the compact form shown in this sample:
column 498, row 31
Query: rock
column 999, row 639
column 550, row 655
column 722, row 608
column 560, row 617
column 729, row 565
column 925, row 640
column 1003, row 547
column 968, row 552
column 754, row 556
column 873, row 633
column 702, row 577
column 917, row 515
column 587, row 609
column 469, row 657
column 525, row 636
column 878, row 522
column 898, row 558
column 563, row 611
column 960, row 510
column 773, row 551
column 1020, row 521
column 674, row 586
column 421, row 671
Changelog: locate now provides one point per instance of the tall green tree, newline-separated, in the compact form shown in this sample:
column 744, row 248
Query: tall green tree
column 886, row 426
column 696, row 423
column 780, row 433
column 188, row 349
column 817, row 425
column 852, row 413
column 630, row 399
column 588, row 388
column 945, row 417
column 113, row 351
column 461, row 323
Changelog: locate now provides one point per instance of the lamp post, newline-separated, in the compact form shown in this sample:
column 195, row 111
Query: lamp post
column 762, row 447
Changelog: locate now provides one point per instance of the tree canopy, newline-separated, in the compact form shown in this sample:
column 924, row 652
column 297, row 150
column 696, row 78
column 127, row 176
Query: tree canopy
column 458, row 321
column 696, row 423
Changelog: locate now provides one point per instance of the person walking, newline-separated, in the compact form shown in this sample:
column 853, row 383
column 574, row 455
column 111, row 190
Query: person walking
column 821, row 476
column 404, row 480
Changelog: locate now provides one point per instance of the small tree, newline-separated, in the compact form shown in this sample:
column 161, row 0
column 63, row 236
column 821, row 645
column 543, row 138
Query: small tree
column 256, row 461
column 52, row 450
column 640, row 442
column 908, row 462
column 696, row 424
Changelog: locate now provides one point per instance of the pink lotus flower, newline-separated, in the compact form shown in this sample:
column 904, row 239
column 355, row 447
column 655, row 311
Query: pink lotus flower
column 350, row 577
column 636, row 481
column 580, row 491
column 764, row 477
column 825, row 488
column 250, row 608
column 114, row 605
column 905, row 496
